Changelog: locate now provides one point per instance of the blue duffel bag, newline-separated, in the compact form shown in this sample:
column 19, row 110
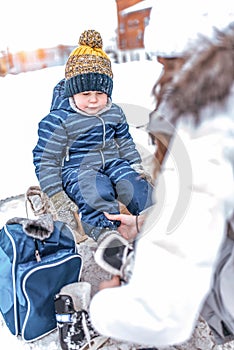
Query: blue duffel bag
column 32, row 272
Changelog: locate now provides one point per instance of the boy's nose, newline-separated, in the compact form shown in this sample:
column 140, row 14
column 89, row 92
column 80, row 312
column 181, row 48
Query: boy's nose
column 93, row 98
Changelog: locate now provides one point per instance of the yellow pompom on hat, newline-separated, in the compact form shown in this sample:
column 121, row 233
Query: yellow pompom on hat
column 88, row 67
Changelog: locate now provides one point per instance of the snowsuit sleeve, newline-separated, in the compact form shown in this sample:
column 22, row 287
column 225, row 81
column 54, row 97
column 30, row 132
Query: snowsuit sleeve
column 176, row 254
column 49, row 153
column 127, row 147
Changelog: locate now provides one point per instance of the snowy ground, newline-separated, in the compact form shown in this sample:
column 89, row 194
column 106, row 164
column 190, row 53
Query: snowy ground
column 25, row 99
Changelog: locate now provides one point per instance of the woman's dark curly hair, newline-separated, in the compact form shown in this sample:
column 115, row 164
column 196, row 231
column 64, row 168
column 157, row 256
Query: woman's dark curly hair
column 205, row 78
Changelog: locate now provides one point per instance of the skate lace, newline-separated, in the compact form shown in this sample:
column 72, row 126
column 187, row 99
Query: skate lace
column 86, row 329
column 126, row 251
column 127, row 263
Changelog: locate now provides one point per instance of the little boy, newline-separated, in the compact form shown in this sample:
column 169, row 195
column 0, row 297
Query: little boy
column 85, row 152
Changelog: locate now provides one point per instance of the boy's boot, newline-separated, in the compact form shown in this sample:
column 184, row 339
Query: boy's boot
column 115, row 255
column 74, row 325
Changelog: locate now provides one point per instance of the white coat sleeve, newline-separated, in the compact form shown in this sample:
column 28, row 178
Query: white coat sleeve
column 176, row 253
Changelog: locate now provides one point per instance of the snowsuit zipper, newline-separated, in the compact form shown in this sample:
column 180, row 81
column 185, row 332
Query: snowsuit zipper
column 103, row 139
column 66, row 157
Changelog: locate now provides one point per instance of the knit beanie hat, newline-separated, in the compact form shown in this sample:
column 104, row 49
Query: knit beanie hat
column 88, row 67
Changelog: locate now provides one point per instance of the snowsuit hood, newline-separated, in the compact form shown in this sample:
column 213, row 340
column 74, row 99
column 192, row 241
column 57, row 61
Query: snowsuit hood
column 59, row 101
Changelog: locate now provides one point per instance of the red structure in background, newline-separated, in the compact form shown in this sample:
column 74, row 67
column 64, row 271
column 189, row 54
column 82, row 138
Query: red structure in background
column 6, row 62
column 133, row 17
column 24, row 61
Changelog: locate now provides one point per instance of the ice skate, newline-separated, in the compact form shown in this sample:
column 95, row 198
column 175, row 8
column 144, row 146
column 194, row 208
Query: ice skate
column 115, row 255
column 74, row 325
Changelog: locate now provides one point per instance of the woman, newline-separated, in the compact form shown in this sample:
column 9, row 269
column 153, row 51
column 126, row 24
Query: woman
column 178, row 248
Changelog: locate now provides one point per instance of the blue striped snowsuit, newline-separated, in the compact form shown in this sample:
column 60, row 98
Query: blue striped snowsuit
column 90, row 157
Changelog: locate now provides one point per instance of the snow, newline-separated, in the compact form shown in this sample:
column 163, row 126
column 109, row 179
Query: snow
column 26, row 98
column 138, row 7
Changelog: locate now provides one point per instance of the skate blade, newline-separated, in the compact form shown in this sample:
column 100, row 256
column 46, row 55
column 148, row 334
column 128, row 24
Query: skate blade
column 95, row 343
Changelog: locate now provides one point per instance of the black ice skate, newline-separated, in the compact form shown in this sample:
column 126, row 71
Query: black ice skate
column 115, row 255
column 74, row 326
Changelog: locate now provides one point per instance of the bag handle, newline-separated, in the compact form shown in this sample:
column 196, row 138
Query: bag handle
column 40, row 228
column 38, row 201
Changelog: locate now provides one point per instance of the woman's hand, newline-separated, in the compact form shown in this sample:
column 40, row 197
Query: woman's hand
column 128, row 227
column 113, row 282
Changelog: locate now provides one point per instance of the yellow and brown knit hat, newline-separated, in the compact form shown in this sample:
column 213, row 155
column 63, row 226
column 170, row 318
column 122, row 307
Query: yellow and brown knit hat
column 88, row 67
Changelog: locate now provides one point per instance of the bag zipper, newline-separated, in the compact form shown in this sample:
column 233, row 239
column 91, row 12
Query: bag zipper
column 37, row 253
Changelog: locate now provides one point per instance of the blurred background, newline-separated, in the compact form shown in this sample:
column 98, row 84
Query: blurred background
column 36, row 38
column 39, row 34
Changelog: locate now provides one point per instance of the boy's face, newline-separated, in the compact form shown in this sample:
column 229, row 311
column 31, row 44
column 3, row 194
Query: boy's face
column 90, row 102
